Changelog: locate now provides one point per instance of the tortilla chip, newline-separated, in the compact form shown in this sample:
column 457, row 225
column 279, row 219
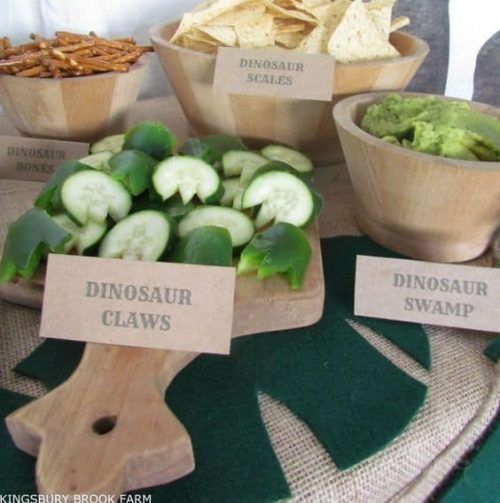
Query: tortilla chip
column 290, row 13
column 399, row 22
column 289, row 40
column 199, row 36
column 258, row 33
column 223, row 34
column 282, row 25
column 244, row 13
column 330, row 14
column 380, row 12
column 195, row 45
column 316, row 42
column 357, row 38
column 201, row 17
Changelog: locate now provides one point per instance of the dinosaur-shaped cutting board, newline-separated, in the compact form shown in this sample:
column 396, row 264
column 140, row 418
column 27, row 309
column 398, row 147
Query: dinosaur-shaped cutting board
column 107, row 430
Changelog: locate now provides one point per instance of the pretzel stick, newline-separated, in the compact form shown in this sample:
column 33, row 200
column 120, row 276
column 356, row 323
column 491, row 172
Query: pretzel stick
column 34, row 71
column 69, row 55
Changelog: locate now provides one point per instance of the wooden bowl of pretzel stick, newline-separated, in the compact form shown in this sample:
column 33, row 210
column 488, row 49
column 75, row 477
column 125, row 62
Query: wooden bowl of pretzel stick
column 72, row 87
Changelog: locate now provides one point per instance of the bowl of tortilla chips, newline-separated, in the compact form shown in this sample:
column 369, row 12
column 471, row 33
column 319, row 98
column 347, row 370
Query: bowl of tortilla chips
column 370, row 53
column 425, row 171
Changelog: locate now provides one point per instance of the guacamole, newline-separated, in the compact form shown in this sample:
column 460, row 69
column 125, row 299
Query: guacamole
column 435, row 126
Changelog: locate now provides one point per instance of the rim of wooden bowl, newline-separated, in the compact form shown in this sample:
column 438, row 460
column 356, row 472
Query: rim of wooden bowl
column 422, row 48
column 342, row 114
column 138, row 65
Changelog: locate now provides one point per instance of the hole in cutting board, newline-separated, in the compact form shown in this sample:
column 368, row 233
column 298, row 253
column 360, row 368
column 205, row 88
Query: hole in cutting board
column 104, row 425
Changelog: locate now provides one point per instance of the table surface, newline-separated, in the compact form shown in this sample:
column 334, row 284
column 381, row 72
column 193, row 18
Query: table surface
column 463, row 386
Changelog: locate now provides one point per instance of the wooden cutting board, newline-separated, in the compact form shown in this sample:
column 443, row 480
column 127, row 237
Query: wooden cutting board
column 107, row 429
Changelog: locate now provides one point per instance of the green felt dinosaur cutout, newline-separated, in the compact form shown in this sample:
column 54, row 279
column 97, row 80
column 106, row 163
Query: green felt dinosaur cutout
column 492, row 350
column 352, row 397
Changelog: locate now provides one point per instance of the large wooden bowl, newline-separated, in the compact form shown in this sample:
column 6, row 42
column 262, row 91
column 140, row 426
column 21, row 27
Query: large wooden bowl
column 75, row 108
column 420, row 205
column 304, row 124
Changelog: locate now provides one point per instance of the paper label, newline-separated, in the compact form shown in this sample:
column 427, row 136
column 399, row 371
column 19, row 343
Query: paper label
column 145, row 304
column 35, row 159
column 281, row 73
column 429, row 293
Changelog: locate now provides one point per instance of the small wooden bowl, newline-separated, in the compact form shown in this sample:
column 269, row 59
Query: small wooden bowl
column 75, row 108
column 420, row 205
column 304, row 124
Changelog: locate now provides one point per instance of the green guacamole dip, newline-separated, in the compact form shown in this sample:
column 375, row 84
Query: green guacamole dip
column 435, row 126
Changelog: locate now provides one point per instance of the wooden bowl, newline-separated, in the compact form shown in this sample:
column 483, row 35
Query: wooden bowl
column 76, row 108
column 420, row 205
column 304, row 124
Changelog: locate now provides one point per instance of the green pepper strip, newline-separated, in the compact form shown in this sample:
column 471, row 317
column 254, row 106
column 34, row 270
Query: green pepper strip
column 28, row 241
column 134, row 169
column 283, row 248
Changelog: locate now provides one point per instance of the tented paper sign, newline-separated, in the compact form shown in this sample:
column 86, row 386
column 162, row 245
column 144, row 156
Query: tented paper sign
column 36, row 159
column 281, row 73
column 423, row 292
column 145, row 304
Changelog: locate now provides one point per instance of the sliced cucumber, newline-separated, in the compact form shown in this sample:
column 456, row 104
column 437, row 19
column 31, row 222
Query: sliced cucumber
column 189, row 176
column 99, row 161
column 141, row 236
column 113, row 144
column 238, row 199
column 92, row 195
column 231, row 188
column 239, row 162
column 233, row 193
column 240, row 227
column 283, row 197
column 82, row 238
column 295, row 159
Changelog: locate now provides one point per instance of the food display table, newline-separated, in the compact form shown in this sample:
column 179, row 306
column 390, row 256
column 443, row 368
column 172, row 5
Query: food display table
column 463, row 386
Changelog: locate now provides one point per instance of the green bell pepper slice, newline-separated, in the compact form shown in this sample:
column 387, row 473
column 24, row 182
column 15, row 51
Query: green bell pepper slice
column 207, row 245
column 211, row 148
column 152, row 138
column 283, row 248
column 29, row 239
column 133, row 169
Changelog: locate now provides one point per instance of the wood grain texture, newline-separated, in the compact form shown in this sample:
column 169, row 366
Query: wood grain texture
column 77, row 108
column 423, row 206
column 147, row 445
column 306, row 125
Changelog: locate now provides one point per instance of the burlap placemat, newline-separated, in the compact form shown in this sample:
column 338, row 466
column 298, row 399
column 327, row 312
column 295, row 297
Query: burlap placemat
column 464, row 388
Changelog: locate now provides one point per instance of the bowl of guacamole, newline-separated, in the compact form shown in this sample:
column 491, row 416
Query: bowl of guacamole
column 435, row 126
column 425, row 171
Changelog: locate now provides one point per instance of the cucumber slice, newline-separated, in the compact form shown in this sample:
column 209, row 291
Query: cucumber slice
column 50, row 197
column 91, row 195
column 231, row 188
column 283, row 197
column 99, row 161
column 113, row 144
column 240, row 227
column 141, row 236
column 237, row 162
column 238, row 199
column 295, row 159
column 82, row 238
column 189, row 176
